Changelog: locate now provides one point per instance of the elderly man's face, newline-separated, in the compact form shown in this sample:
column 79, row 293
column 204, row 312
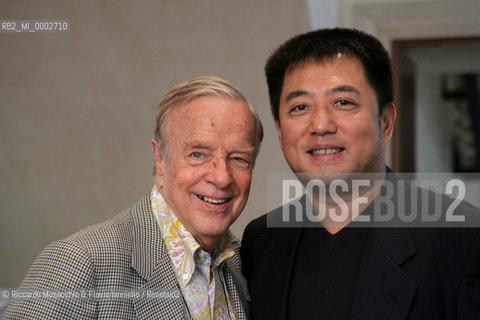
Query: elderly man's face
column 206, row 178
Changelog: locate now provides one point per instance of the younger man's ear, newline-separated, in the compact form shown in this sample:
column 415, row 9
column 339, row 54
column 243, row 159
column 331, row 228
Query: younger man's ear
column 279, row 132
column 388, row 120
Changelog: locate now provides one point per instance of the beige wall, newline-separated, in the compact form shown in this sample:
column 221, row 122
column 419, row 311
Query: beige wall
column 76, row 109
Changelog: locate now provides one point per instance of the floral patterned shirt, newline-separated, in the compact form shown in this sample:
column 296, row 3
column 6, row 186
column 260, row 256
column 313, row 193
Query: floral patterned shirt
column 198, row 273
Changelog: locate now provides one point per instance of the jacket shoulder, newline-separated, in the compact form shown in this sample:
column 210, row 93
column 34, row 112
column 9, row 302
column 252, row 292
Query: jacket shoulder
column 83, row 254
column 112, row 239
column 95, row 257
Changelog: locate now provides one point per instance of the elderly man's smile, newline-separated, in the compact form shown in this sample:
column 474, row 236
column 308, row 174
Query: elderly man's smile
column 212, row 200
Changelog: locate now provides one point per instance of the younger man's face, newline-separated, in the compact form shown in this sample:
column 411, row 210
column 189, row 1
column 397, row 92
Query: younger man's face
column 329, row 119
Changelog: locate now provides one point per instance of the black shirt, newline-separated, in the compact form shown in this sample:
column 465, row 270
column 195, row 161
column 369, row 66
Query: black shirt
column 325, row 273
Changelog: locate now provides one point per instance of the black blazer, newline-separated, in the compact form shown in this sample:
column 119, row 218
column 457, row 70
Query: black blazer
column 405, row 273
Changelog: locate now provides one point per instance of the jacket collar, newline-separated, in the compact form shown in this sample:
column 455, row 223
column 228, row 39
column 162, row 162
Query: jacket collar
column 383, row 288
column 151, row 261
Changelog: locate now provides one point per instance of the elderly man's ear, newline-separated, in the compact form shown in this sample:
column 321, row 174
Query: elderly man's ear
column 159, row 163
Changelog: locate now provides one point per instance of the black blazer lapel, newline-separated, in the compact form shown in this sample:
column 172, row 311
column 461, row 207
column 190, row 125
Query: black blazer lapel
column 271, row 278
column 383, row 290
column 269, row 249
column 281, row 249
column 284, row 272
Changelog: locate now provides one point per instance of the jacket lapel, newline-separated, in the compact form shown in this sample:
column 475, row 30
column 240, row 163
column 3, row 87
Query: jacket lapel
column 290, row 244
column 236, row 286
column 383, row 290
column 276, row 269
column 151, row 261
column 282, row 250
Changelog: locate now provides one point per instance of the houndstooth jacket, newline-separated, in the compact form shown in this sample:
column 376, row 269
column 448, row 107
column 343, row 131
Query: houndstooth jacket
column 124, row 252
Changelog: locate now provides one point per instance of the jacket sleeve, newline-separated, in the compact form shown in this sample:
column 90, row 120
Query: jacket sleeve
column 250, row 237
column 469, row 301
column 245, row 251
column 62, row 267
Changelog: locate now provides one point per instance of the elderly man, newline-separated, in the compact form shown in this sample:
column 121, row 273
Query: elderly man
column 171, row 255
column 331, row 95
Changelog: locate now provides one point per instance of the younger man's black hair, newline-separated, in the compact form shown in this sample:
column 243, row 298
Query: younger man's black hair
column 317, row 46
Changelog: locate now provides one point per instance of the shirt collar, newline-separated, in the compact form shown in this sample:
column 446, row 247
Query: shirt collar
column 182, row 246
